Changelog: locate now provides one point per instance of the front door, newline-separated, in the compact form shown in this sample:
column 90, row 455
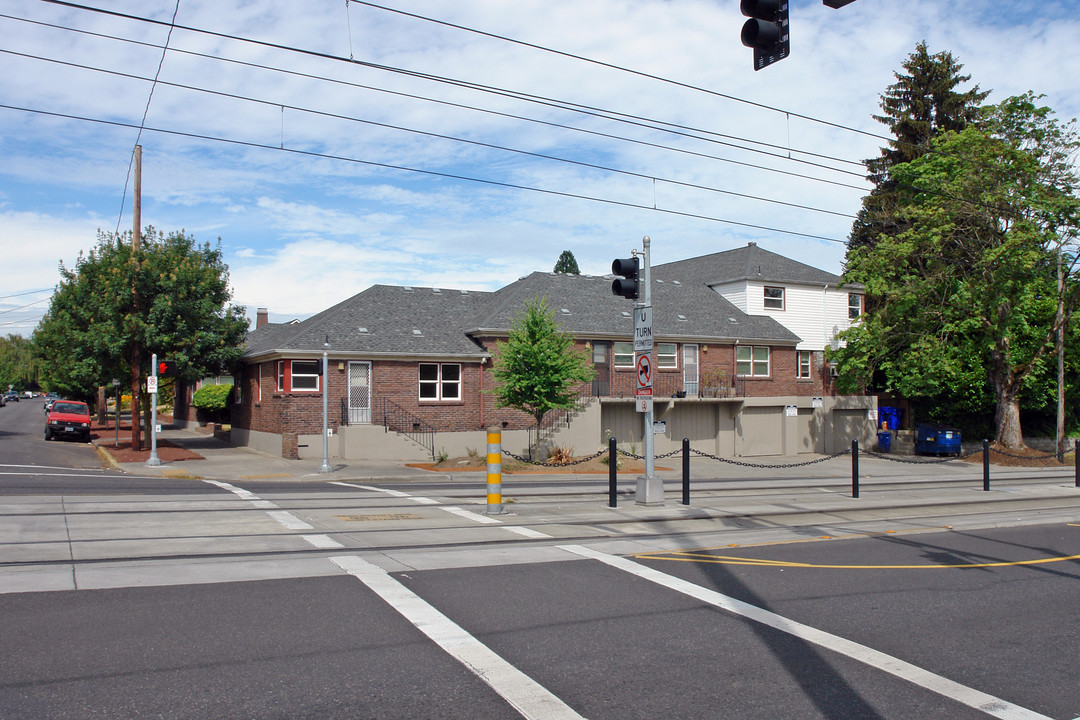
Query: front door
column 601, row 354
column 359, row 393
column 690, row 369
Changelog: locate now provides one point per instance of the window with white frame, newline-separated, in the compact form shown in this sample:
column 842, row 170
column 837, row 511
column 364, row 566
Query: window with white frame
column 624, row 354
column 752, row 361
column 804, row 364
column 281, row 375
column 305, row 376
column 440, row 381
column 667, row 355
column 774, row 298
column 854, row 306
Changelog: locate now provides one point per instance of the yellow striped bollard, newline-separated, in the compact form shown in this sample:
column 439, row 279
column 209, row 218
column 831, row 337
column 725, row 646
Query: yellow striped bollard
column 494, row 471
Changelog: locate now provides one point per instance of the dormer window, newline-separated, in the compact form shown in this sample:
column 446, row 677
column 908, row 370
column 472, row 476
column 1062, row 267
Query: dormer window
column 774, row 298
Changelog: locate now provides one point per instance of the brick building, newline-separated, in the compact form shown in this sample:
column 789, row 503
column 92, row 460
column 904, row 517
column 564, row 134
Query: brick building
column 409, row 368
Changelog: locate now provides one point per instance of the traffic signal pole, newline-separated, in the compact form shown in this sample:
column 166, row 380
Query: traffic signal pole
column 650, row 489
column 153, row 460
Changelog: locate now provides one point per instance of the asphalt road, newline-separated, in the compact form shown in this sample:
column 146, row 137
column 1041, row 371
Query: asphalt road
column 127, row 597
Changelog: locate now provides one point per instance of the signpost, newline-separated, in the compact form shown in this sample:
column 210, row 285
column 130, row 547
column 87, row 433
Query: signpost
column 152, row 388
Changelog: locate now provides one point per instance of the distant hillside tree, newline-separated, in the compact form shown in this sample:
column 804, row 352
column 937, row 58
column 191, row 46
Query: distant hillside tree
column 567, row 264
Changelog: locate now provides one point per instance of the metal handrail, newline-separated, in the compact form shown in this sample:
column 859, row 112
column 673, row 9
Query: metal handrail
column 396, row 418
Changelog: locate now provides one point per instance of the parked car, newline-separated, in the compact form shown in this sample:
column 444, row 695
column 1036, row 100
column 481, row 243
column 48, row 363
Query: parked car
column 50, row 399
column 68, row 418
column 11, row 395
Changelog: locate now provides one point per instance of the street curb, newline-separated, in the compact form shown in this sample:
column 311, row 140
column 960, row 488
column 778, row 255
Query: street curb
column 107, row 457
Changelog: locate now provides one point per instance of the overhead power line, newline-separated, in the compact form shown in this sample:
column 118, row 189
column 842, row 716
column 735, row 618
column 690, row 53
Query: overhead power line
column 547, row 123
column 477, row 143
column 432, row 173
column 609, row 114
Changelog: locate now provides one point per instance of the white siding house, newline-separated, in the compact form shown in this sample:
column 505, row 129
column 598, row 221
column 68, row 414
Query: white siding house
column 809, row 302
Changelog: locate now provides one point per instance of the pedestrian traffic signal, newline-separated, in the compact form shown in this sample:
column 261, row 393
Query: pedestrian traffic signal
column 166, row 368
column 627, row 285
column 766, row 31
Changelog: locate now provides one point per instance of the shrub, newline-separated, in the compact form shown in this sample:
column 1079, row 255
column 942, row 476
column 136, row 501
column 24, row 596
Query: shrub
column 213, row 399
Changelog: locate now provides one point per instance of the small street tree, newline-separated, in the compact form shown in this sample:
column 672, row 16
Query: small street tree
column 567, row 263
column 537, row 368
column 968, row 296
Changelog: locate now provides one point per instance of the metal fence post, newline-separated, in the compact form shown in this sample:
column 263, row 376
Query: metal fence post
column 854, row 468
column 494, row 471
column 986, row 465
column 612, row 474
column 686, row 471
column 1076, row 461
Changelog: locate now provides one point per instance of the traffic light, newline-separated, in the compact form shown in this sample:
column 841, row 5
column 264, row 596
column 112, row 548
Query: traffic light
column 627, row 285
column 766, row 31
column 166, row 368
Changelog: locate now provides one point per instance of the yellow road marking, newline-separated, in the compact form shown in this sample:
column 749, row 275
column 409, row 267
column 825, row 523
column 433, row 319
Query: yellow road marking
column 704, row 556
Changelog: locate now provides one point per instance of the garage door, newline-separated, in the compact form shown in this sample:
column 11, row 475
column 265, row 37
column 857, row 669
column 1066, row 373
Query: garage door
column 760, row 431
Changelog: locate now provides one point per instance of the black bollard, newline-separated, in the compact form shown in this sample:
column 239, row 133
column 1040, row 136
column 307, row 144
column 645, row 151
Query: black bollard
column 611, row 474
column 1076, row 461
column 854, row 468
column 686, row 471
column 986, row 465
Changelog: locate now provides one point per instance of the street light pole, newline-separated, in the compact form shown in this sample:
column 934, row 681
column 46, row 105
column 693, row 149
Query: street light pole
column 325, row 467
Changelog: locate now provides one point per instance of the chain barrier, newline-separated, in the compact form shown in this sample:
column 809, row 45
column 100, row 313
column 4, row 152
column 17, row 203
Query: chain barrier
column 1032, row 457
column 579, row 461
column 781, row 466
column 729, row 461
column 918, row 461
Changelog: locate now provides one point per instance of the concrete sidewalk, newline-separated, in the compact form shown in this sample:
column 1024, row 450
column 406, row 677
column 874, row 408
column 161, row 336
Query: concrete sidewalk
column 223, row 461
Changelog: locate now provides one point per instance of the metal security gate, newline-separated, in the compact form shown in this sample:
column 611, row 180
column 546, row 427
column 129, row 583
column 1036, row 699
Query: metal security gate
column 359, row 393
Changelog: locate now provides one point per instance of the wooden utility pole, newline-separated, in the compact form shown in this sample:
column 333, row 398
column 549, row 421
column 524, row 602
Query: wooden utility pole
column 136, row 241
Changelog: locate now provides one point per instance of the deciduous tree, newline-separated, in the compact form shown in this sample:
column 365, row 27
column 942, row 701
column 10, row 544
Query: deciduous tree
column 967, row 296
column 537, row 368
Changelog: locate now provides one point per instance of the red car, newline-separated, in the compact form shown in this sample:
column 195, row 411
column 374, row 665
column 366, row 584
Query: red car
column 68, row 418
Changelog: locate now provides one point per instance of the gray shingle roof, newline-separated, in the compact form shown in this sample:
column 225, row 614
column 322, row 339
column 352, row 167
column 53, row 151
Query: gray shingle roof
column 745, row 263
column 585, row 305
column 384, row 320
column 402, row 321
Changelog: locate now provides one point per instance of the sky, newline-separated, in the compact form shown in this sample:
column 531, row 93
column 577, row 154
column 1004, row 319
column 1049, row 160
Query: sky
column 331, row 145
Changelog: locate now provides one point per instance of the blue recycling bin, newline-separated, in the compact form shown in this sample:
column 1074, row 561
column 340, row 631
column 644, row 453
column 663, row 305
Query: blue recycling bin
column 889, row 417
column 935, row 439
column 884, row 441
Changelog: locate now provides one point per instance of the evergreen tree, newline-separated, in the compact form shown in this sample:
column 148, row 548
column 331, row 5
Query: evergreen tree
column 919, row 106
column 567, row 264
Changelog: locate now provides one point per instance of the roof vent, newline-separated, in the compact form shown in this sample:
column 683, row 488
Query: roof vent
column 676, row 282
column 682, row 318
column 659, row 282
column 406, row 288
column 364, row 330
column 564, row 311
column 733, row 320
column 437, row 291
column 417, row 332
column 464, row 292
column 626, row 313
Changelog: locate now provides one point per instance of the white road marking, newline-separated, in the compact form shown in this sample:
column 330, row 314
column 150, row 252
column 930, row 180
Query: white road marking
column 470, row 515
column 528, row 697
column 323, row 542
column 392, row 493
column 912, row 673
column 527, row 532
column 290, row 521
